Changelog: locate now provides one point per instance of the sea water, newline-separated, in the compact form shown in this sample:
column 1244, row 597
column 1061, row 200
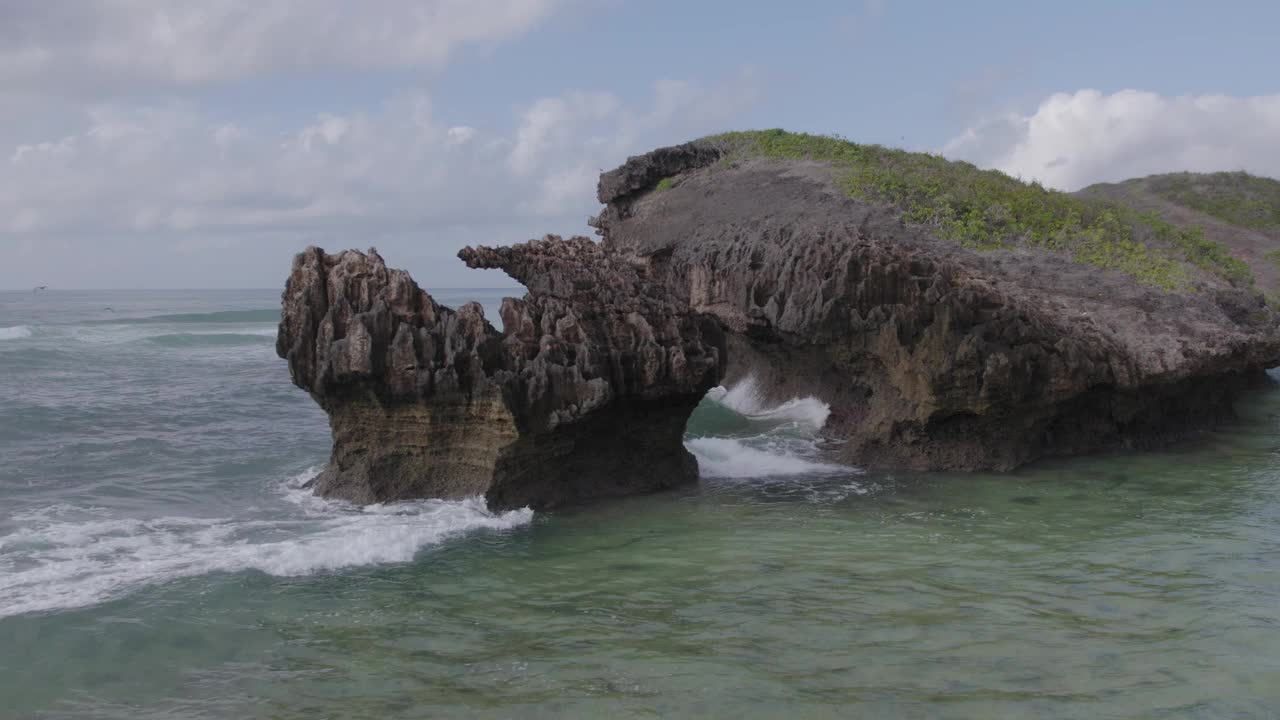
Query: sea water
column 159, row 559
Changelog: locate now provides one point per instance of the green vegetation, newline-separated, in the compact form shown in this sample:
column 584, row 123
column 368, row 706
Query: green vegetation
column 665, row 184
column 1273, row 257
column 1236, row 197
column 988, row 210
column 1199, row 250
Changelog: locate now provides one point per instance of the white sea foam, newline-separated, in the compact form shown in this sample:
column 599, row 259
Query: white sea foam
column 787, row 445
column 730, row 458
column 16, row 332
column 73, row 557
column 745, row 398
column 212, row 335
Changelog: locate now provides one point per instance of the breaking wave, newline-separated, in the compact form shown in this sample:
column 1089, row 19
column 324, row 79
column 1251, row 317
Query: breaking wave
column 730, row 458
column 16, row 332
column 65, row 557
column 223, row 317
column 197, row 340
column 734, row 434
column 745, row 399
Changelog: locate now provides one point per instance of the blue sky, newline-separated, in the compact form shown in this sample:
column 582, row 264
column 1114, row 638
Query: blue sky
column 156, row 143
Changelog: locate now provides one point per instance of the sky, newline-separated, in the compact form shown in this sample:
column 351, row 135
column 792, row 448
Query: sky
column 175, row 144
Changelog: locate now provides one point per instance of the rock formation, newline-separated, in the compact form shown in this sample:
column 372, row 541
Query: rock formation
column 935, row 345
column 931, row 356
column 584, row 393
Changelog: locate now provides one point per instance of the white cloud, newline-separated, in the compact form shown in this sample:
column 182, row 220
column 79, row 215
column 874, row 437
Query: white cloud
column 188, row 180
column 461, row 135
column 121, row 152
column 552, row 123
column 92, row 47
column 1076, row 139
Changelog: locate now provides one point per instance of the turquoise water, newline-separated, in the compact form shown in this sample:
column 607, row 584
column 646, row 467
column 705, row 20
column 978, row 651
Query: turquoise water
column 157, row 560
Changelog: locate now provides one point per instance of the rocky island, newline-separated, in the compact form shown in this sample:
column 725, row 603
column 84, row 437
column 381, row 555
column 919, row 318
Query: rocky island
column 952, row 318
column 583, row 395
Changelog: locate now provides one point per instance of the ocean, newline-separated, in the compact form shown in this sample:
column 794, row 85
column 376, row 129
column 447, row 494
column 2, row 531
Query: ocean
column 159, row 559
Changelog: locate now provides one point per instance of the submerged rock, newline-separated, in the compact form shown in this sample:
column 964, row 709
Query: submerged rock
column 931, row 354
column 584, row 393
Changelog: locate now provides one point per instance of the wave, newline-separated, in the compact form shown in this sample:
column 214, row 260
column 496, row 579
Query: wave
column 730, row 458
column 16, row 332
column 64, row 558
column 225, row 317
column 745, row 398
column 198, row 336
column 734, row 434
column 196, row 340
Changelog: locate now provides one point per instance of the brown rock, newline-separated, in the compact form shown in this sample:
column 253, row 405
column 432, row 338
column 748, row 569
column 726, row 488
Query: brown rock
column 584, row 394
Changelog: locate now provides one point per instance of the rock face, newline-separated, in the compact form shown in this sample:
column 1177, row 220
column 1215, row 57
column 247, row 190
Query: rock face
column 718, row 265
column 584, row 393
column 930, row 355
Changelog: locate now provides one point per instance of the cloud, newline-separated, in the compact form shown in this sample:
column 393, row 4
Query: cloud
column 174, row 169
column 175, row 178
column 552, row 123
column 95, row 46
column 1076, row 139
column 123, row 151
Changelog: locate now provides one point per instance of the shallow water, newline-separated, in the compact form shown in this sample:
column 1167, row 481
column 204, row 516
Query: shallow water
column 158, row 561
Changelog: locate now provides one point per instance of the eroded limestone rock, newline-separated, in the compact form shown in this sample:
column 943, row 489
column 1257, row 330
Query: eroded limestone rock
column 584, row 393
column 930, row 355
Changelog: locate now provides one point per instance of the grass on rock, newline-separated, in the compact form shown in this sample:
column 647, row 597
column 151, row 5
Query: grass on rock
column 1273, row 257
column 1236, row 197
column 989, row 210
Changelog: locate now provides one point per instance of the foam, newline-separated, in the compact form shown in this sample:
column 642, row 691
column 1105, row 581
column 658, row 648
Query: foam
column 210, row 339
column 784, row 440
column 16, row 332
column 176, row 336
column 61, row 559
column 730, row 458
column 745, row 399
column 222, row 317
